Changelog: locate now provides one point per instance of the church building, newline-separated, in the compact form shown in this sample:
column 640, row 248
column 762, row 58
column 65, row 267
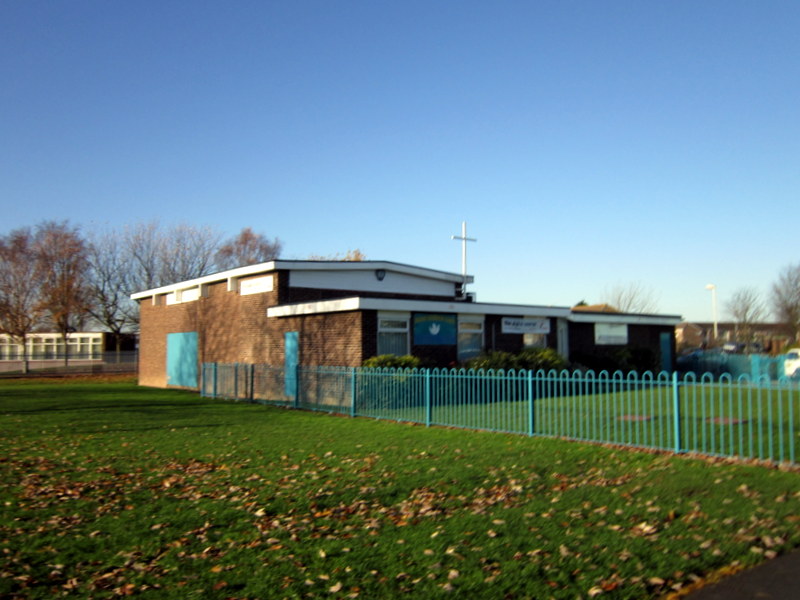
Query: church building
column 339, row 313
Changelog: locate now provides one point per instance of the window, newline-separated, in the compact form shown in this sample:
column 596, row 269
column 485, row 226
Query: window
column 96, row 348
column 534, row 340
column 393, row 333
column 36, row 348
column 470, row 337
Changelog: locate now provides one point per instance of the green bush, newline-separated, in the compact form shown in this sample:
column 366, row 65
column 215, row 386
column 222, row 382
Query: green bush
column 546, row 359
column 529, row 359
column 620, row 359
column 493, row 360
column 392, row 361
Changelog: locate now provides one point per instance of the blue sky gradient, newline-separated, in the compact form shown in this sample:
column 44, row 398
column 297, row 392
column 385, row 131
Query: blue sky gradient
column 587, row 144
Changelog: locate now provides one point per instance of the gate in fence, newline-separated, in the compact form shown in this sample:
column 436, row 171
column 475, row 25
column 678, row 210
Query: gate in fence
column 742, row 417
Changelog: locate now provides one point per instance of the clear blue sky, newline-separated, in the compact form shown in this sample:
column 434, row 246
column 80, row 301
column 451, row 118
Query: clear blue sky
column 587, row 144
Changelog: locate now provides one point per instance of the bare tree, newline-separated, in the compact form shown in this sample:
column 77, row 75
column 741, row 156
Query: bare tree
column 188, row 252
column 65, row 288
column 160, row 256
column 632, row 298
column 349, row 256
column 247, row 248
column 786, row 299
column 21, row 276
column 109, row 284
column 746, row 309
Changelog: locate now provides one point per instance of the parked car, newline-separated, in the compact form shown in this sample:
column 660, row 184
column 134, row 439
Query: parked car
column 791, row 363
column 742, row 348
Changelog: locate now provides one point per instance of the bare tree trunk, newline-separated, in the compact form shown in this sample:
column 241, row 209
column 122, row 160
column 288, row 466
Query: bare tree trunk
column 65, row 337
column 25, row 366
column 118, row 346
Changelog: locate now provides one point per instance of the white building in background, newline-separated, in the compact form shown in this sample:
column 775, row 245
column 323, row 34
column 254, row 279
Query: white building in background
column 50, row 346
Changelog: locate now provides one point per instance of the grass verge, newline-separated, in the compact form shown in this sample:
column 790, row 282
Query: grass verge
column 113, row 490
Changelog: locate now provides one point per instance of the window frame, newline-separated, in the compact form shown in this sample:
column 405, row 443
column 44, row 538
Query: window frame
column 405, row 328
column 470, row 325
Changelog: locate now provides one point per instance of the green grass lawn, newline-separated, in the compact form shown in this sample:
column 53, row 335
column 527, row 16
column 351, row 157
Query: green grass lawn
column 113, row 490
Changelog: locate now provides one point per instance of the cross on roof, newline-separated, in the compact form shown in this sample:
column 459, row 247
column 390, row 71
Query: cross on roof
column 464, row 239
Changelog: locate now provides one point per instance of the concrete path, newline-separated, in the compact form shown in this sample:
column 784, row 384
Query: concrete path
column 776, row 579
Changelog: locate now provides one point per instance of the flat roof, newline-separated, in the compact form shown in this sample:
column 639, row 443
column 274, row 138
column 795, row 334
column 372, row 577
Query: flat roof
column 305, row 265
column 472, row 308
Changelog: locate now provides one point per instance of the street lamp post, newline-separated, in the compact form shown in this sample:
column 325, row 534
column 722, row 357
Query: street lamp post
column 713, row 289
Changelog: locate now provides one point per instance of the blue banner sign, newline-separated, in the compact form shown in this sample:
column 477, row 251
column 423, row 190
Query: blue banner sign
column 434, row 330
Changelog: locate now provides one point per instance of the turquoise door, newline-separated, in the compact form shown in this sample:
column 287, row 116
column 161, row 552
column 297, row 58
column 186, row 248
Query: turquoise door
column 182, row 359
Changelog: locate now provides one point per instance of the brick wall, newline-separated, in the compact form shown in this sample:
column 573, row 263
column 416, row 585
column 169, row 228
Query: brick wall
column 229, row 326
column 333, row 339
column 234, row 328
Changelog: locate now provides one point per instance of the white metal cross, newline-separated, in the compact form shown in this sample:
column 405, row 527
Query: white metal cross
column 464, row 239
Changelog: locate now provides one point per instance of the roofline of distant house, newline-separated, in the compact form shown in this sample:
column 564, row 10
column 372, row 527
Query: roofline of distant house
column 305, row 265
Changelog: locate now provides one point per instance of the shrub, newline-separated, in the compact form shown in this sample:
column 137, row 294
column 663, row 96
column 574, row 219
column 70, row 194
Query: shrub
column 620, row 359
column 530, row 359
column 392, row 361
column 493, row 360
column 546, row 359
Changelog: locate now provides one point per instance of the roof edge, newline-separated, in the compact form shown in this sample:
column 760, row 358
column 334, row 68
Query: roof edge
column 304, row 265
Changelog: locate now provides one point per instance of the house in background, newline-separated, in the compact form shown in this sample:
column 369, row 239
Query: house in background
column 338, row 313
column 771, row 337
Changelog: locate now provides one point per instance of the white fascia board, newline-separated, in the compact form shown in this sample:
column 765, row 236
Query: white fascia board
column 625, row 318
column 314, row 308
column 389, row 304
column 266, row 267
column 303, row 265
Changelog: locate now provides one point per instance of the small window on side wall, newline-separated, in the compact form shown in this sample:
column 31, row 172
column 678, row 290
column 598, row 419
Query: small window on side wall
column 393, row 330
column 470, row 337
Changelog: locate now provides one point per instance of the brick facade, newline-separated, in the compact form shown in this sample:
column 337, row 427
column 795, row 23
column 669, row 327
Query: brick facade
column 234, row 328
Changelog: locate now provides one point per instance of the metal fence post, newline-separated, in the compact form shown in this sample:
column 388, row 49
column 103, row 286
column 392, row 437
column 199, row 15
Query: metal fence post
column 214, row 380
column 296, row 374
column 427, row 397
column 252, row 381
column 531, row 413
column 676, row 412
column 352, row 391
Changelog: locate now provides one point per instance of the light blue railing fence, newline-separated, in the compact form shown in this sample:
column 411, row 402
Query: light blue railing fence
column 743, row 417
